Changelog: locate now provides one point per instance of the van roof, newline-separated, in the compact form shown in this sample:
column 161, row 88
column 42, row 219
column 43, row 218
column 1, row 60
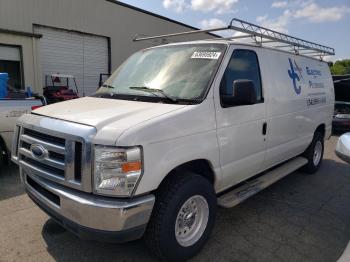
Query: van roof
column 232, row 42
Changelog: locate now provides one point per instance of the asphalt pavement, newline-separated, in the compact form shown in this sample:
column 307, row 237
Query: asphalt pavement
column 300, row 218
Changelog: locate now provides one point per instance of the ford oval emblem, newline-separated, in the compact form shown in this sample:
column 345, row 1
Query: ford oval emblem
column 38, row 151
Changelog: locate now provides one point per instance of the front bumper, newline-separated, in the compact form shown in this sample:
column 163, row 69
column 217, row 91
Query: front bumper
column 89, row 216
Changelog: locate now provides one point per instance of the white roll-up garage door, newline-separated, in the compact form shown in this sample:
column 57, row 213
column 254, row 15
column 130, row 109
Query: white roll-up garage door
column 83, row 55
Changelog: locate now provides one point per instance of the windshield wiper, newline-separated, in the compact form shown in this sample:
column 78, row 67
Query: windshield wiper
column 153, row 91
column 108, row 86
column 103, row 94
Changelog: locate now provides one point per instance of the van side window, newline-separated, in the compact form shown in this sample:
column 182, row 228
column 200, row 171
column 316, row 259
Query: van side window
column 243, row 65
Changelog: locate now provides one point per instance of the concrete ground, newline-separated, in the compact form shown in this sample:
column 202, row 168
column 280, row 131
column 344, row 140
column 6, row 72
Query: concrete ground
column 300, row 218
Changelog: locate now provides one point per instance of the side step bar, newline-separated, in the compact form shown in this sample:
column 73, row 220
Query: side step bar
column 250, row 188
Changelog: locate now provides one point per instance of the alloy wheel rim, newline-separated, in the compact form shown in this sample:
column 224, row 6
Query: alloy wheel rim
column 191, row 220
column 317, row 153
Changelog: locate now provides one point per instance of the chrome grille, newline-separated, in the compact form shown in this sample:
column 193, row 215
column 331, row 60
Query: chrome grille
column 55, row 147
column 55, row 141
column 66, row 146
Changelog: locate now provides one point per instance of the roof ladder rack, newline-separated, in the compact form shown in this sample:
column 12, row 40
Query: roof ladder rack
column 260, row 35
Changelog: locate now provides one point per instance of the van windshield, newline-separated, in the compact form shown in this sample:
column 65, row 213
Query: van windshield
column 168, row 73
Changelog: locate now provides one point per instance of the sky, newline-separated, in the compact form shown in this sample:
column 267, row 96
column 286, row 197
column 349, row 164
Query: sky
column 325, row 22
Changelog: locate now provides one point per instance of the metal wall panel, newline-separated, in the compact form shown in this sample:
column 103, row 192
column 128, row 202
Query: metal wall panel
column 95, row 61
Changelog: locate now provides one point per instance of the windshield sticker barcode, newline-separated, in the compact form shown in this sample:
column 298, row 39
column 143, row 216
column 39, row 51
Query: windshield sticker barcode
column 206, row 55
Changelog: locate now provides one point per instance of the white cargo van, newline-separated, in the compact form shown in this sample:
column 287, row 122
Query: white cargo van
column 177, row 130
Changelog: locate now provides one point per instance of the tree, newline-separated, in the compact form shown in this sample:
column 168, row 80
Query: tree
column 341, row 67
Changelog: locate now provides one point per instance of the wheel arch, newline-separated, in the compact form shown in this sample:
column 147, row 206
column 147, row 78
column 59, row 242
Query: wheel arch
column 321, row 129
column 202, row 167
column 3, row 147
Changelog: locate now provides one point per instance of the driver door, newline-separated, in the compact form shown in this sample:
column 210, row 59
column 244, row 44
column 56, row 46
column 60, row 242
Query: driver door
column 241, row 129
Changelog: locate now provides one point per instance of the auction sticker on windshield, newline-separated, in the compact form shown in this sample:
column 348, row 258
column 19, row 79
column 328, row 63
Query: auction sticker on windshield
column 206, row 55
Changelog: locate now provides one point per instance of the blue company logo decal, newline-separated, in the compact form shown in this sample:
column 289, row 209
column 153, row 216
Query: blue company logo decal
column 295, row 74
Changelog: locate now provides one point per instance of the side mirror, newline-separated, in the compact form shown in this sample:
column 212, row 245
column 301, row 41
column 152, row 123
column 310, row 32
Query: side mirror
column 243, row 94
column 343, row 147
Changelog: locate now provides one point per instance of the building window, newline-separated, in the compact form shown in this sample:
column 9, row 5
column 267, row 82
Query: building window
column 11, row 63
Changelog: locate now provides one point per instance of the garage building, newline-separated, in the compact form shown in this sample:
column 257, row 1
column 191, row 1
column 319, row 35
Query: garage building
column 84, row 38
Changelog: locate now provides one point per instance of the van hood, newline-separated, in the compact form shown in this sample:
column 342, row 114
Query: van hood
column 99, row 112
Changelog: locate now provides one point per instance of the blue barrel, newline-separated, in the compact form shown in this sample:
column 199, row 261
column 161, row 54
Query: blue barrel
column 4, row 77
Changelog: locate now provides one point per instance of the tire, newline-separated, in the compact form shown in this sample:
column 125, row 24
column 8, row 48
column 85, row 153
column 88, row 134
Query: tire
column 175, row 200
column 314, row 154
column 2, row 155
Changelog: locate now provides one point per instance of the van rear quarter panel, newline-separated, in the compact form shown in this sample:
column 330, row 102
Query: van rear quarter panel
column 299, row 94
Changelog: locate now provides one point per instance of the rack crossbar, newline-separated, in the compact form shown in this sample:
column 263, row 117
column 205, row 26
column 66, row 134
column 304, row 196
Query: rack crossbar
column 261, row 35
column 249, row 28
column 137, row 39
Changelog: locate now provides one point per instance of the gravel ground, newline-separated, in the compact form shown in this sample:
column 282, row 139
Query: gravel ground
column 300, row 218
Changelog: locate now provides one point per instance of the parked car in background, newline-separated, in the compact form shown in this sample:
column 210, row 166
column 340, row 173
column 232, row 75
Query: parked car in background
column 343, row 147
column 13, row 104
column 341, row 119
column 343, row 152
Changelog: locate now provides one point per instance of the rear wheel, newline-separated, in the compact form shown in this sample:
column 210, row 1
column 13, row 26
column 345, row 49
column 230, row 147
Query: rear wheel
column 314, row 154
column 182, row 218
column 2, row 155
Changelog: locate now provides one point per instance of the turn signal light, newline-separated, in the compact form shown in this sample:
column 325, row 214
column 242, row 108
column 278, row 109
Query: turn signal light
column 131, row 167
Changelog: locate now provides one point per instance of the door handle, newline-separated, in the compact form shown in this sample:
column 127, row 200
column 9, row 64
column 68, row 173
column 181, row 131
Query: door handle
column 264, row 128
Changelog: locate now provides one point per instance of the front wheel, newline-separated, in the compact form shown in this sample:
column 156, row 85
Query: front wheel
column 314, row 154
column 182, row 218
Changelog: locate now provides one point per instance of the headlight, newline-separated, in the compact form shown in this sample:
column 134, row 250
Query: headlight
column 116, row 170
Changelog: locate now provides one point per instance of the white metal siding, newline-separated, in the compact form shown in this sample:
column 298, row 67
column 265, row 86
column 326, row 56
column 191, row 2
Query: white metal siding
column 82, row 55
column 95, row 61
